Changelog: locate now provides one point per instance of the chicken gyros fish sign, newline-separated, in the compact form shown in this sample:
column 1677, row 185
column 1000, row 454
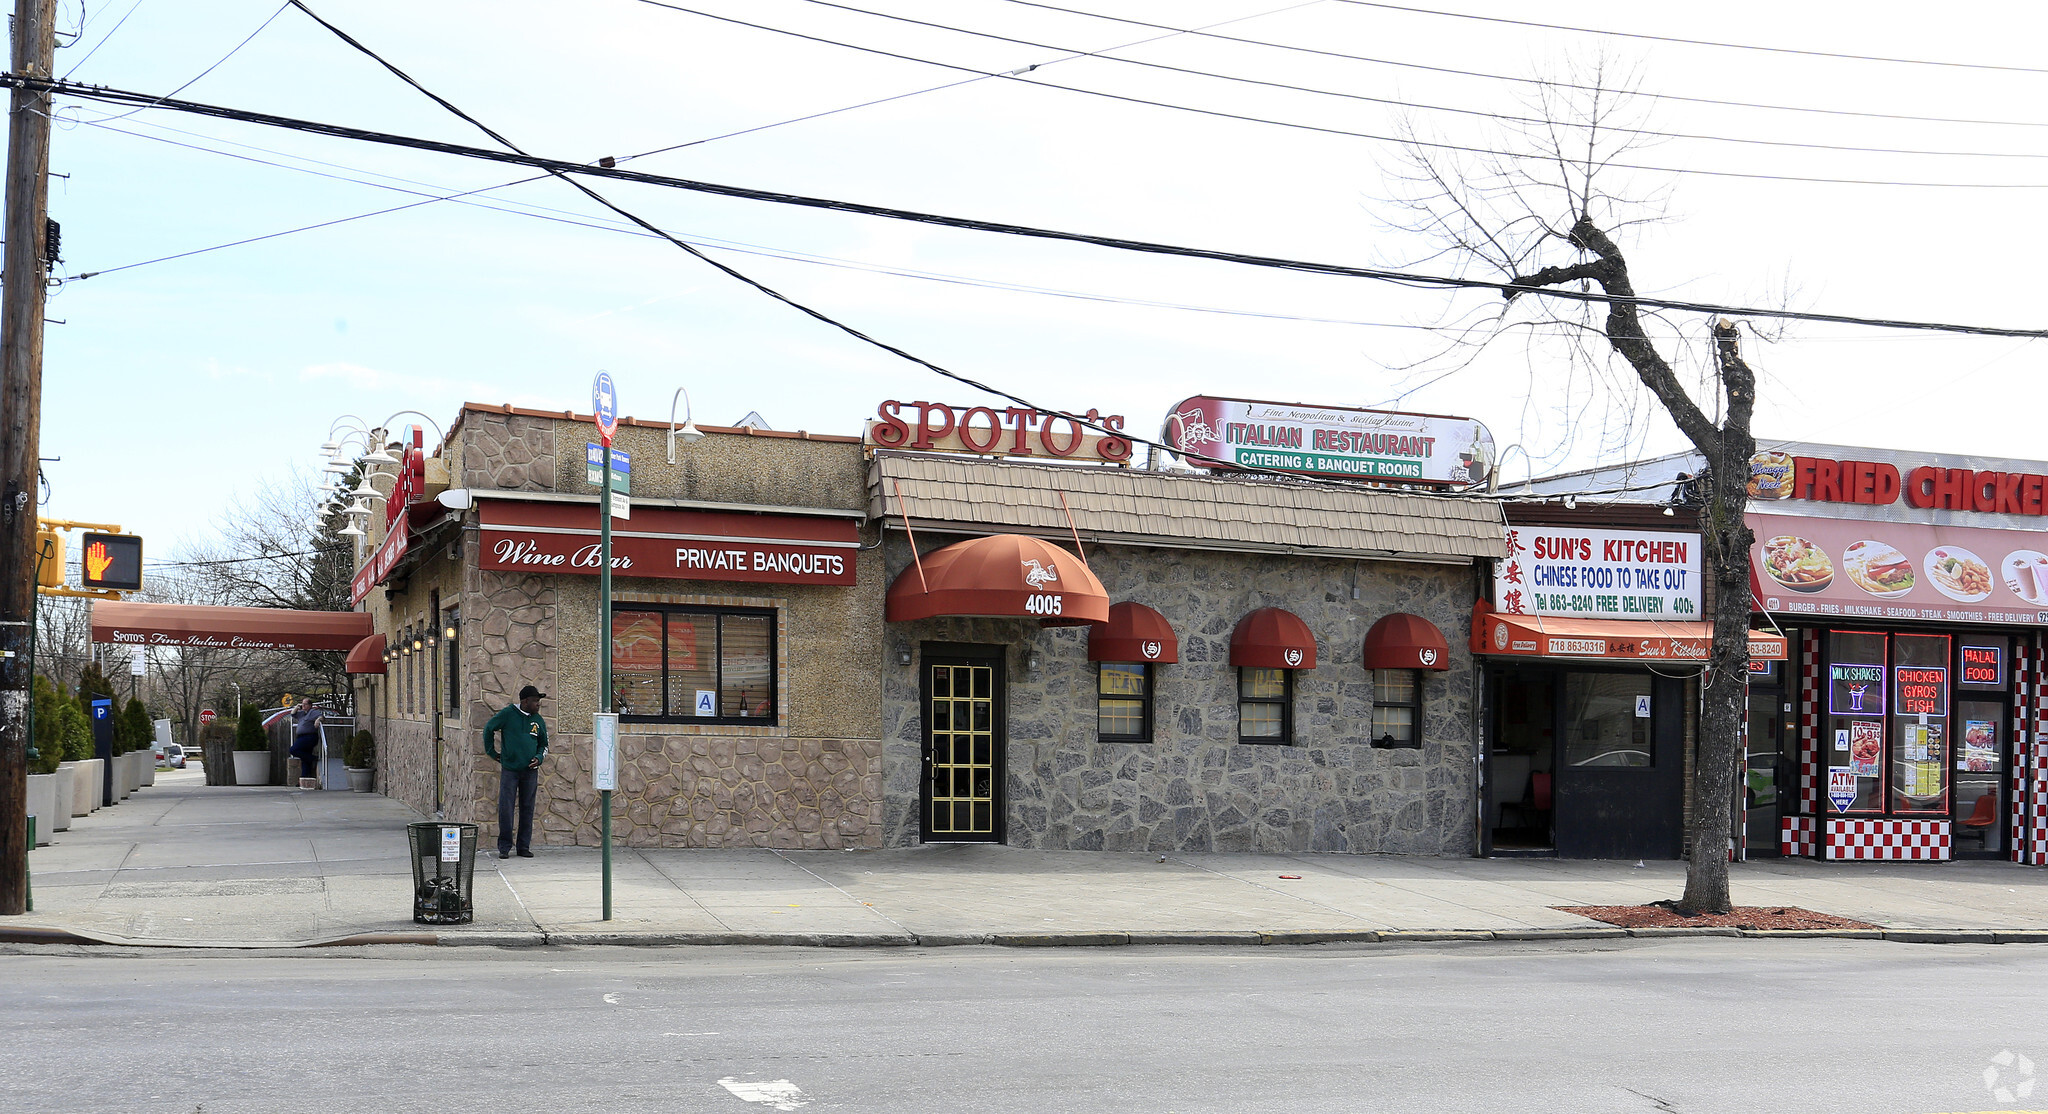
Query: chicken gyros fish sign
column 1381, row 445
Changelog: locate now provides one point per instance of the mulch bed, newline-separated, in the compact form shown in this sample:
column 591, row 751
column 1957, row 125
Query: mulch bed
column 1742, row 916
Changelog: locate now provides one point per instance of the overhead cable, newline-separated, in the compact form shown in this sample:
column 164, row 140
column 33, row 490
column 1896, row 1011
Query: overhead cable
column 585, row 170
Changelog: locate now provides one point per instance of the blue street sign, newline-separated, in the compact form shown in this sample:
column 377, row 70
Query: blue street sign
column 604, row 405
column 622, row 468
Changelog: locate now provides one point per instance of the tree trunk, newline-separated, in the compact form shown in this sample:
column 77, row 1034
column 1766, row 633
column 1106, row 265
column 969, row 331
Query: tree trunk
column 1724, row 689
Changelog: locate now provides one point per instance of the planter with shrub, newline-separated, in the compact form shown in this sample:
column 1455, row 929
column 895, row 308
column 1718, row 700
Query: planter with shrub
column 252, row 749
column 359, row 758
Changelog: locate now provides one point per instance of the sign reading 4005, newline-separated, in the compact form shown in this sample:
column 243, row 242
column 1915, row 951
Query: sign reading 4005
column 1042, row 604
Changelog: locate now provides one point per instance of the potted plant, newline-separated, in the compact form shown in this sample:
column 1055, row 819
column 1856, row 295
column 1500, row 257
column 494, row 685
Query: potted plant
column 252, row 749
column 359, row 758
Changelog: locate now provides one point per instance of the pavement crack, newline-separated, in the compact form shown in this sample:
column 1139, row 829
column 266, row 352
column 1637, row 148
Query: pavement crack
column 1660, row 1103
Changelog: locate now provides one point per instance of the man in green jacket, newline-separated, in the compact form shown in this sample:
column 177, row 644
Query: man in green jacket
column 518, row 738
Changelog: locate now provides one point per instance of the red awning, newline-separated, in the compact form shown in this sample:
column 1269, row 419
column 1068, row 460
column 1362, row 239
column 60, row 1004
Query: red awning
column 1404, row 641
column 1134, row 632
column 1002, row 576
column 1610, row 639
column 1272, row 638
column 242, row 628
column 367, row 657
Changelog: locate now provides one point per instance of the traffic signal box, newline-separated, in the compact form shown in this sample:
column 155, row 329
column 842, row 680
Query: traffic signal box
column 110, row 562
column 49, row 559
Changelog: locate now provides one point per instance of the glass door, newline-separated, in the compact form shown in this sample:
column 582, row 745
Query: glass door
column 1766, row 789
column 1980, row 816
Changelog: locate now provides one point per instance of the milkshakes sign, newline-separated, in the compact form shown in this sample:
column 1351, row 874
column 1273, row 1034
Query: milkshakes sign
column 672, row 544
column 1330, row 441
column 1599, row 574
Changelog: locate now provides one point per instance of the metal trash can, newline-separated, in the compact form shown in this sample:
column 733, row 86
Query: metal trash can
column 443, row 865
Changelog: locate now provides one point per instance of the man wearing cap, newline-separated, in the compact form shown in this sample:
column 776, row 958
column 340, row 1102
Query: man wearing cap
column 518, row 739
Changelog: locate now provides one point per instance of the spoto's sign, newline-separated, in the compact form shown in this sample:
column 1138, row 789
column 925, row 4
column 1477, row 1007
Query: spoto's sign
column 987, row 431
column 1382, row 445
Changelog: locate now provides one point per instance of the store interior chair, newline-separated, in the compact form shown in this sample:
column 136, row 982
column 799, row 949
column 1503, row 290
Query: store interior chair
column 1979, row 822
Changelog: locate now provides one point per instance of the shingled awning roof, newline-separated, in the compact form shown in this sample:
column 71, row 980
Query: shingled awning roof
column 1179, row 510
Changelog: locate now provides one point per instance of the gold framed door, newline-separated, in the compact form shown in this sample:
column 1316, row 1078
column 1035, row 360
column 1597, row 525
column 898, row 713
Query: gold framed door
column 963, row 749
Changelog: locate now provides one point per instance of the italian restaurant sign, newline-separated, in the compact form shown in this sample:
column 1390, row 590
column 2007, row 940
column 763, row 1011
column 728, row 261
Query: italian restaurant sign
column 987, row 431
column 668, row 543
column 1599, row 574
column 1330, row 441
column 1853, row 568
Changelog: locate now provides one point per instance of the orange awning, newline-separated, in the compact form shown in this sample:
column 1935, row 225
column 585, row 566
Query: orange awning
column 1134, row 632
column 1272, row 638
column 367, row 657
column 1000, row 576
column 1404, row 641
column 242, row 628
column 1610, row 639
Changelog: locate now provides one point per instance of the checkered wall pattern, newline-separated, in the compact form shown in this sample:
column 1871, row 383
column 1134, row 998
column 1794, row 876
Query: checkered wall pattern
column 2023, row 689
column 1795, row 835
column 1887, row 839
column 1809, row 722
column 2033, row 805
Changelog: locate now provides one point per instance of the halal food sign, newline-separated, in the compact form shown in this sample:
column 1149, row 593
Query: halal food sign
column 987, row 431
column 1380, row 445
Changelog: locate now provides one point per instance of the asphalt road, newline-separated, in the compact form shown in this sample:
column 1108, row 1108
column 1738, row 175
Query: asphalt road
column 1637, row 1026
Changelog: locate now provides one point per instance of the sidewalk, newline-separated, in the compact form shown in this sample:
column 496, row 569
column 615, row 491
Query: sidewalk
column 184, row 865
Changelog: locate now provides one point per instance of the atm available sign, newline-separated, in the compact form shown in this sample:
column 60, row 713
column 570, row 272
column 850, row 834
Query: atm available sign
column 1599, row 574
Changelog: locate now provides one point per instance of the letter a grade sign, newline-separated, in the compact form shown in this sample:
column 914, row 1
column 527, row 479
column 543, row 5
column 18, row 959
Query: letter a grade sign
column 604, row 406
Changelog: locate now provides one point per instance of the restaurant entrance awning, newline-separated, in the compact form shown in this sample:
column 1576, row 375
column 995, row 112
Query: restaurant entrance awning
column 1608, row 639
column 1000, row 576
column 230, row 628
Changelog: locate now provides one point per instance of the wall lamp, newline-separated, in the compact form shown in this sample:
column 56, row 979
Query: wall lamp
column 903, row 657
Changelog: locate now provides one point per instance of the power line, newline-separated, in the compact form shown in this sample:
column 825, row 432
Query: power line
column 1104, row 55
column 563, row 168
column 1692, row 42
column 202, row 73
column 1540, row 82
column 1020, row 76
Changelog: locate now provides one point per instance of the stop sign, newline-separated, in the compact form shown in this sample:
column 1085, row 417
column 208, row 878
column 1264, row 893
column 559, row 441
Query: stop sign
column 206, row 715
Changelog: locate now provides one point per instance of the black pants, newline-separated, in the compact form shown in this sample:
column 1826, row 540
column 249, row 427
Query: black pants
column 520, row 785
column 307, row 751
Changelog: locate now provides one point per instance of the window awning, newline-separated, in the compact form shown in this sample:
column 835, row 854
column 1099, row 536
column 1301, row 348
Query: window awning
column 1272, row 638
column 1134, row 632
column 367, row 657
column 1000, row 576
column 1609, row 639
column 238, row 628
column 1404, row 641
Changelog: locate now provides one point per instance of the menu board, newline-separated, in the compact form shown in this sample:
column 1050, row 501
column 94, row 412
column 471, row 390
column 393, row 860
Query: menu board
column 1877, row 570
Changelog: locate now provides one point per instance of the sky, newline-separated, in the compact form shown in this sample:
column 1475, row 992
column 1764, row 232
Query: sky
column 175, row 388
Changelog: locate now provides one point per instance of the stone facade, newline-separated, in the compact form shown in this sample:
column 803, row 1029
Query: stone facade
column 1195, row 787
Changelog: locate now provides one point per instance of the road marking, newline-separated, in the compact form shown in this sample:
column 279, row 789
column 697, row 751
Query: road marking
column 611, row 999
column 778, row 1093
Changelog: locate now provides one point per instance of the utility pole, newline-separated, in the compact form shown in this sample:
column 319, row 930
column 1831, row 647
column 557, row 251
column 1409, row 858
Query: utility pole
column 21, row 405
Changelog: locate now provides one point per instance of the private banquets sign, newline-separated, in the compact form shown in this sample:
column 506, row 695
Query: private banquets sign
column 669, row 543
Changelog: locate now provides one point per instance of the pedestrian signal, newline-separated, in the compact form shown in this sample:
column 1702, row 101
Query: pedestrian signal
column 111, row 561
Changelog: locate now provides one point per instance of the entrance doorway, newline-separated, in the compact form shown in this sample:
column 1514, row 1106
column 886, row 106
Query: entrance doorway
column 1980, row 785
column 962, row 693
column 1767, row 779
column 1586, row 764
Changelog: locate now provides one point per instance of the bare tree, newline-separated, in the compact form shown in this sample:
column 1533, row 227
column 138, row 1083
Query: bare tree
column 1546, row 215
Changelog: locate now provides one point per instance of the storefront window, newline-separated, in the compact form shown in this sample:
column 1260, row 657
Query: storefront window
column 1920, row 702
column 1265, row 705
column 1123, row 702
column 1856, row 688
column 1607, row 719
column 451, row 620
column 694, row 665
column 1396, row 707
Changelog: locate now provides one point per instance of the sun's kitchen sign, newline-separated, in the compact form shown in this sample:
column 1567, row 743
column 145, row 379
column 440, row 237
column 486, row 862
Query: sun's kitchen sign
column 1380, row 445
